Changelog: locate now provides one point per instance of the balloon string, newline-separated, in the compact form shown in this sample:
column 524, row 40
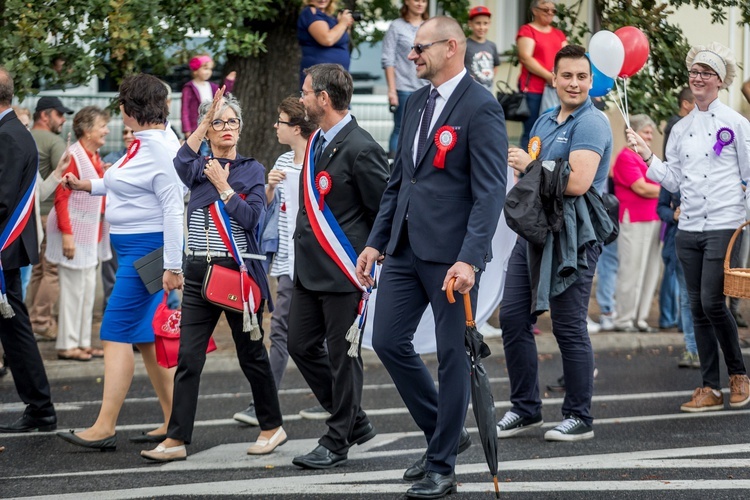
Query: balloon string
column 627, row 109
column 624, row 111
column 618, row 102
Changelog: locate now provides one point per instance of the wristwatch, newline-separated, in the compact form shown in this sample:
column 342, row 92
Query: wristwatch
column 175, row 271
column 224, row 195
column 475, row 269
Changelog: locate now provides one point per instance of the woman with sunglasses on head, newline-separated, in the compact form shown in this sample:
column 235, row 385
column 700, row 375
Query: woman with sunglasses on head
column 538, row 42
column 225, row 184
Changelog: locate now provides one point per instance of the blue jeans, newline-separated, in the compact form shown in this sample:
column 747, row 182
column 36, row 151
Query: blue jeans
column 397, row 116
column 669, row 293
column 534, row 101
column 25, row 278
column 568, row 313
column 606, row 275
column 702, row 258
column 686, row 317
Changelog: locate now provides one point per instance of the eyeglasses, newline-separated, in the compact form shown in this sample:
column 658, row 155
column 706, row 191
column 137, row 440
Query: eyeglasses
column 705, row 75
column 280, row 122
column 546, row 11
column 231, row 124
column 421, row 47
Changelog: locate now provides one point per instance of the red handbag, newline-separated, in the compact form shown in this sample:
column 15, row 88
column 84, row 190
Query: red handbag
column 166, row 324
column 221, row 286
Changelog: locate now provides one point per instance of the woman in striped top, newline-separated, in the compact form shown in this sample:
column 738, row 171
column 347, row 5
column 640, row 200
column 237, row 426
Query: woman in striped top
column 229, row 179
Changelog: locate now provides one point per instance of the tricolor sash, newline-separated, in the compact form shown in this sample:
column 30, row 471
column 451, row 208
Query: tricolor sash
column 12, row 231
column 334, row 242
column 223, row 226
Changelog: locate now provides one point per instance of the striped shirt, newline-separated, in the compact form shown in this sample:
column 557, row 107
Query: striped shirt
column 288, row 189
column 197, row 234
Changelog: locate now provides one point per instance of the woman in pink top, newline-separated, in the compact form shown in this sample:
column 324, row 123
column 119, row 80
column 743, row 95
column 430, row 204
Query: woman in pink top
column 538, row 43
column 638, row 242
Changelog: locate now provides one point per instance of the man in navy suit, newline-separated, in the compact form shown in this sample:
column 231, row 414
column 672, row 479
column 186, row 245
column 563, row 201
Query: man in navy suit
column 436, row 222
column 18, row 170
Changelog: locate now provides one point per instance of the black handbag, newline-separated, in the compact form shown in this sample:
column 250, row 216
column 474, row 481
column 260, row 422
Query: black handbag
column 514, row 103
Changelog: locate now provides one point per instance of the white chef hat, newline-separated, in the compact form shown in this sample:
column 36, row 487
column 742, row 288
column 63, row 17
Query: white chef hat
column 716, row 57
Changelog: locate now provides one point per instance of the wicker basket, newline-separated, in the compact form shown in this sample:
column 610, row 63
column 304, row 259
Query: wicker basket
column 737, row 280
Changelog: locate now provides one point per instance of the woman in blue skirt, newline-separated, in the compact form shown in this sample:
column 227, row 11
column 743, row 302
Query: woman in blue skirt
column 145, row 209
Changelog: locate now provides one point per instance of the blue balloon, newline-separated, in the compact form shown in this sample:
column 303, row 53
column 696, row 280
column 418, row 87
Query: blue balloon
column 602, row 84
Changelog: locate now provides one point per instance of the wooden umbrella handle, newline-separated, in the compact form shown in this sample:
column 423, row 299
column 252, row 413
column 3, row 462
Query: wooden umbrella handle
column 467, row 301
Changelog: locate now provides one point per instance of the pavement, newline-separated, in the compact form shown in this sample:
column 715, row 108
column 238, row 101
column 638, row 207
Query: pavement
column 223, row 359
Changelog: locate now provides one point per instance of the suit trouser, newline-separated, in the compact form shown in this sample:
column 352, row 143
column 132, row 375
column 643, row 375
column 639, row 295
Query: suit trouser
column 23, row 356
column 76, row 307
column 279, row 354
column 407, row 285
column 44, row 291
column 702, row 257
column 334, row 377
column 199, row 319
column 568, row 313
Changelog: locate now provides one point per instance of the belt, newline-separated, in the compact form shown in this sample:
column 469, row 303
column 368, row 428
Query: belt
column 215, row 253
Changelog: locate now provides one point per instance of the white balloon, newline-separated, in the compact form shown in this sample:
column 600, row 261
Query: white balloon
column 607, row 52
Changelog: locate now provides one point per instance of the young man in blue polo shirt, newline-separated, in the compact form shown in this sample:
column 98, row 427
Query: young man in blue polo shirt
column 579, row 133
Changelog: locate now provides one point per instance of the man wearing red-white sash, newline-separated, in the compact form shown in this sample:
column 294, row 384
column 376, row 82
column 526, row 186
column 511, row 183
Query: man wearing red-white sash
column 343, row 177
column 18, row 245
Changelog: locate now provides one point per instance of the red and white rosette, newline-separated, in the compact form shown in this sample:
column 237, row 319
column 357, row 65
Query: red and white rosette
column 445, row 140
column 323, row 184
column 132, row 150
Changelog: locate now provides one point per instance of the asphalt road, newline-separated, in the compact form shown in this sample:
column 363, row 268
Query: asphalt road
column 644, row 448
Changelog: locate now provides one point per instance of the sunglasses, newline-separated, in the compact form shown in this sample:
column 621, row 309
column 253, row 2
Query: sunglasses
column 421, row 47
column 546, row 11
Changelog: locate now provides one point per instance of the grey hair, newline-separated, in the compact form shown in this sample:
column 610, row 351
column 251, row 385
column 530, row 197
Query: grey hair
column 229, row 101
column 639, row 122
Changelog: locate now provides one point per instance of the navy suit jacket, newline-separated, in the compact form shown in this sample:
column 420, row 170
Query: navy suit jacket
column 452, row 212
column 19, row 162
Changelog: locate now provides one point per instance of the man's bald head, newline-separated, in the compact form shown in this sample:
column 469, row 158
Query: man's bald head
column 6, row 88
column 442, row 45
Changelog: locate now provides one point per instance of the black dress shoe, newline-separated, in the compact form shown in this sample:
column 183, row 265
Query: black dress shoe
column 434, row 485
column 106, row 444
column 148, row 438
column 320, row 458
column 417, row 469
column 362, row 434
column 27, row 423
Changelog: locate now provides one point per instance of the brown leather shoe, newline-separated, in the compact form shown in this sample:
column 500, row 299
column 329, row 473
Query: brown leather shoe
column 704, row 399
column 739, row 391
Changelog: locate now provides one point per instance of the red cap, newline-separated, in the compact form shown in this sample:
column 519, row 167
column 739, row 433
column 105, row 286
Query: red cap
column 479, row 10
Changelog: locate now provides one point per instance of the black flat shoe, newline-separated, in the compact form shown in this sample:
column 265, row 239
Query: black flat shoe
column 147, row 438
column 320, row 458
column 106, row 444
column 27, row 423
column 417, row 469
column 433, row 485
column 362, row 434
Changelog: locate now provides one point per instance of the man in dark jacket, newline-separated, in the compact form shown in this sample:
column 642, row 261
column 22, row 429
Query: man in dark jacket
column 18, row 170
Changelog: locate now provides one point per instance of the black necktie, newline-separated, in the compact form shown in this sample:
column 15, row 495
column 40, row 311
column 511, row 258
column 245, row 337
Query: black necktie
column 318, row 149
column 424, row 128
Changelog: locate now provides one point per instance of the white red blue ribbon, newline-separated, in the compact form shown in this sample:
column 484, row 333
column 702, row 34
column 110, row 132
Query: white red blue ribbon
column 16, row 224
column 334, row 242
column 224, row 227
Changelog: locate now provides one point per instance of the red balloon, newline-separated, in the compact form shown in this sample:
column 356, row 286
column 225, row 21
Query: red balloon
column 636, row 50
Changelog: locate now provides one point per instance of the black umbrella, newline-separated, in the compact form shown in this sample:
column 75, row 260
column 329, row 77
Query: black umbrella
column 482, row 402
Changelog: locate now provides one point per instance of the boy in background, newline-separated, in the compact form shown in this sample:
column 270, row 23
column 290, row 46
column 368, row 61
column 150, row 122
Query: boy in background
column 481, row 59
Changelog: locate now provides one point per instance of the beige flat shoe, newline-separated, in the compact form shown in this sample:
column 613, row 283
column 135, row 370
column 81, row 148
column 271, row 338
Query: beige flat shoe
column 265, row 446
column 162, row 454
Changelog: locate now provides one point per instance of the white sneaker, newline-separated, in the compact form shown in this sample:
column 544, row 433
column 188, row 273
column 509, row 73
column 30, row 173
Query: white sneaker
column 592, row 326
column 607, row 322
column 489, row 331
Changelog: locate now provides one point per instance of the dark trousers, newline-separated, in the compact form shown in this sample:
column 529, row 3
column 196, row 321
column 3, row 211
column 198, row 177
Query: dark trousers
column 199, row 319
column 702, row 257
column 407, row 285
column 568, row 313
column 334, row 377
column 23, row 356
